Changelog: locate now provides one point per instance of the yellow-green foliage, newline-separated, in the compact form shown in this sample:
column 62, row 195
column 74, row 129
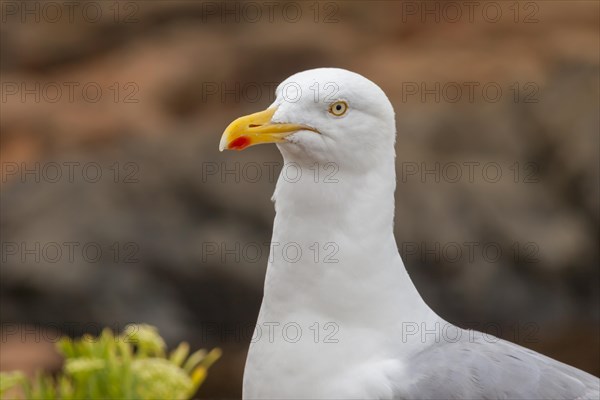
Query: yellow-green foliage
column 133, row 365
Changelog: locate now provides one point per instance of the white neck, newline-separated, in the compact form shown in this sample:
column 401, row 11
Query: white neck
column 354, row 307
column 350, row 268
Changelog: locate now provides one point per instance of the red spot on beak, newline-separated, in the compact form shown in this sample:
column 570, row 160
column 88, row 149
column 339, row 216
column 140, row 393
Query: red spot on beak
column 240, row 143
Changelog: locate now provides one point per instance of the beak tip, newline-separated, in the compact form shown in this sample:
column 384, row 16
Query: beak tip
column 222, row 143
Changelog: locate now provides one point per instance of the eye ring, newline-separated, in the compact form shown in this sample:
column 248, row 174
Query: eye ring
column 338, row 108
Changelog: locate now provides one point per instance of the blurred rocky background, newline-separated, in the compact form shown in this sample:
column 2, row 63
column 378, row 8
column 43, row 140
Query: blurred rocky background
column 117, row 207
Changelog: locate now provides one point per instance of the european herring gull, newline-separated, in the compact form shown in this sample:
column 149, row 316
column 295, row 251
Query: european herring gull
column 340, row 317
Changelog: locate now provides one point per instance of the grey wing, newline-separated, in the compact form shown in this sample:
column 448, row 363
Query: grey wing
column 485, row 367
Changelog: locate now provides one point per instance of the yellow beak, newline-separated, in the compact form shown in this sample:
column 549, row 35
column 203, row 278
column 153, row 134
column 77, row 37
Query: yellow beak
column 257, row 128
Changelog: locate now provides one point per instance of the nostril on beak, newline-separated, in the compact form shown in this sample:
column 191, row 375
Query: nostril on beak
column 254, row 125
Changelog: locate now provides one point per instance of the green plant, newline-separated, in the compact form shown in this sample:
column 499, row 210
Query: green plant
column 133, row 365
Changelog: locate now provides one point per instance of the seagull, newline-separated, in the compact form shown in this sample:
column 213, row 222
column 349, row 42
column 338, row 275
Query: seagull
column 340, row 316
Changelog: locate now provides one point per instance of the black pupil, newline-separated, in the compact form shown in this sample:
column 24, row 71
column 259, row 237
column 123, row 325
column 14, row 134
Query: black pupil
column 338, row 107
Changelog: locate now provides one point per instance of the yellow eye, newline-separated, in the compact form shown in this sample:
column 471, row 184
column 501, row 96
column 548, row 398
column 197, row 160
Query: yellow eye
column 338, row 108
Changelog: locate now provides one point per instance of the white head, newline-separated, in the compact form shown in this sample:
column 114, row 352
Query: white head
column 322, row 115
